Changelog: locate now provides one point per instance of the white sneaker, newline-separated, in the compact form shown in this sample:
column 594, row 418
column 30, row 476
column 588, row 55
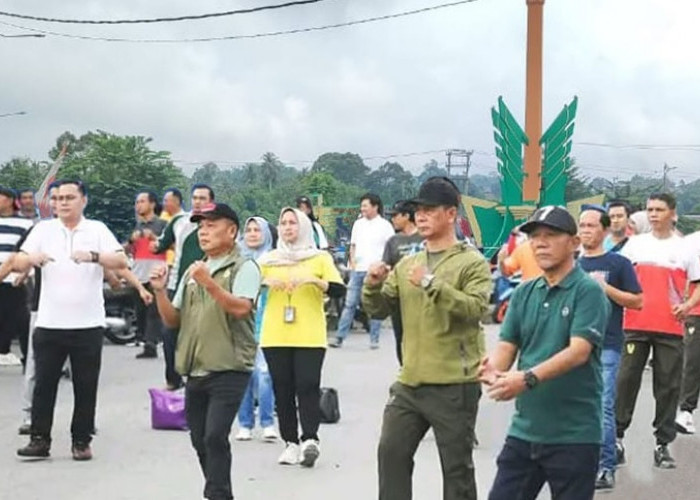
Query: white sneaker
column 290, row 455
column 269, row 434
column 9, row 359
column 310, row 450
column 684, row 423
column 244, row 434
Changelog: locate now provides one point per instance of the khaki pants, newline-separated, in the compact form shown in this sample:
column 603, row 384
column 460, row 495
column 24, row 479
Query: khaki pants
column 451, row 411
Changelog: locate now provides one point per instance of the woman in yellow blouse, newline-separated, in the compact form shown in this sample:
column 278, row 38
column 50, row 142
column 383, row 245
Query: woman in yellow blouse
column 293, row 334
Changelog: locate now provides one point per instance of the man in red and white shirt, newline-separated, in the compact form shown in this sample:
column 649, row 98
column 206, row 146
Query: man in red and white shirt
column 664, row 266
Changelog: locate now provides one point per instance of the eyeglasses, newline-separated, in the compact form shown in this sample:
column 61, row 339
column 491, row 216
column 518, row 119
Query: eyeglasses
column 68, row 197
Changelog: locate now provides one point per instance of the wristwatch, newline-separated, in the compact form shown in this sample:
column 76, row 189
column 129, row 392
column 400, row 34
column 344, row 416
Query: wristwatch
column 531, row 379
column 94, row 257
column 426, row 281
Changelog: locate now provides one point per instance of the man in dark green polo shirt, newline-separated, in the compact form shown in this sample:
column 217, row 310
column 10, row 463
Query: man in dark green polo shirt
column 555, row 325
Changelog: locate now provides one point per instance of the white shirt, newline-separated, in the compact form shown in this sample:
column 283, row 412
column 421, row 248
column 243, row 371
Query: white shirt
column 71, row 294
column 369, row 237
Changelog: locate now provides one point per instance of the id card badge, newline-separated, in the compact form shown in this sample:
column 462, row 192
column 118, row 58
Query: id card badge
column 289, row 314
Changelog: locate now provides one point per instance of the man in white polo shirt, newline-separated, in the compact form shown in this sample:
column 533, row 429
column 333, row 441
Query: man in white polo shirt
column 73, row 253
column 369, row 236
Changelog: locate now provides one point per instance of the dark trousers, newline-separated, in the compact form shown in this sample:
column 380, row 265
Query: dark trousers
column 51, row 349
column 691, row 367
column 211, row 404
column 397, row 324
column 296, row 376
column 14, row 317
column 667, row 373
column 169, row 345
column 451, row 411
column 148, row 321
column 524, row 467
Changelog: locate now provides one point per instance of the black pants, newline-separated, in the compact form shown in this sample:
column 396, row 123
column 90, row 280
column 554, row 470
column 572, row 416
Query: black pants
column 667, row 373
column 296, row 376
column 51, row 348
column 169, row 345
column 148, row 321
column 523, row 468
column 14, row 317
column 451, row 411
column 211, row 404
column 397, row 324
column 691, row 367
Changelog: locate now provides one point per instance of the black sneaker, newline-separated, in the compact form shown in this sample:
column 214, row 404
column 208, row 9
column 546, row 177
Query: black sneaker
column 663, row 458
column 37, row 449
column 620, row 453
column 147, row 353
column 605, row 480
column 25, row 429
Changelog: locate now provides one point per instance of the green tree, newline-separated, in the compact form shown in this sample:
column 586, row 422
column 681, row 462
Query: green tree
column 391, row 182
column 431, row 169
column 348, row 168
column 23, row 173
column 270, row 169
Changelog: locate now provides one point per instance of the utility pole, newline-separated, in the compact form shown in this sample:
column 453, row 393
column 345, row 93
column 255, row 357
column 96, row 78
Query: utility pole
column 459, row 172
column 667, row 169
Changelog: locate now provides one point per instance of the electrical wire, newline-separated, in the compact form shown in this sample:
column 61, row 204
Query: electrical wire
column 195, row 17
column 659, row 147
column 243, row 37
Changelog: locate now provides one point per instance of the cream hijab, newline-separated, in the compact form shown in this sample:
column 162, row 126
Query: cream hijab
column 288, row 254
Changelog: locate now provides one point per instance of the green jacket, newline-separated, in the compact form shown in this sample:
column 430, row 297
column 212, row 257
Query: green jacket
column 443, row 341
column 210, row 340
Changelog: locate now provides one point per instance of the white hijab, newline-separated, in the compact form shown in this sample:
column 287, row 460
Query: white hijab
column 288, row 254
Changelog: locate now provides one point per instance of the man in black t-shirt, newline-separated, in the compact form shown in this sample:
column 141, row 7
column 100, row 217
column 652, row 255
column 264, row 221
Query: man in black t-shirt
column 405, row 242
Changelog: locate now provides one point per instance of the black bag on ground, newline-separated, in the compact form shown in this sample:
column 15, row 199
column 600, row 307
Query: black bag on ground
column 330, row 407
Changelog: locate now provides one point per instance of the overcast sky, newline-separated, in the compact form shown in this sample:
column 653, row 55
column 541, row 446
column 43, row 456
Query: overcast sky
column 419, row 83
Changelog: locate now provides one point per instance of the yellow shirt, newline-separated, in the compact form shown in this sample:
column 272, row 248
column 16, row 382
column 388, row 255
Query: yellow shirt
column 309, row 326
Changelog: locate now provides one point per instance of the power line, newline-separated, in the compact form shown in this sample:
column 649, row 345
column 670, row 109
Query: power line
column 660, row 147
column 244, row 37
column 160, row 19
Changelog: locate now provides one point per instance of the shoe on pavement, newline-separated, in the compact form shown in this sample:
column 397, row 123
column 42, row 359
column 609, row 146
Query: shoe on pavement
column 9, row 359
column 81, row 451
column 38, row 449
column 684, row 423
column 147, row 353
column 620, row 453
column 269, row 434
column 605, row 480
column 310, row 450
column 336, row 342
column 290, row 455
column 25, row 429
column 244, row 434
column 374, row 345
column 663, row 458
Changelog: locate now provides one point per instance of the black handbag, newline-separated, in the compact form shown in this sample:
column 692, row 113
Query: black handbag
column 330, row 406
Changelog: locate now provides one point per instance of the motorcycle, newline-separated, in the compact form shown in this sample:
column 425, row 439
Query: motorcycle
column 120, row 309
column 502, row 292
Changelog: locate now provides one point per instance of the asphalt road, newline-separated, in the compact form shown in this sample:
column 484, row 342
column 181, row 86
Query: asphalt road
column 134, row 462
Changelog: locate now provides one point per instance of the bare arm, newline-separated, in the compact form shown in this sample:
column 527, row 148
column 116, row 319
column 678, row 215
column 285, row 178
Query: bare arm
column 237, row 307
column 113, row 260
column 564, row 361
column 168, row 313
column 503, row 357
column 6, row 267
column 624, row 299
column 351, row 259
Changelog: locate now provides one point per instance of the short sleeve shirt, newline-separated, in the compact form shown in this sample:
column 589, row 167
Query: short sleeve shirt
column 369, row 237
column 71, row 293
column 401, row 245
column 540, row 322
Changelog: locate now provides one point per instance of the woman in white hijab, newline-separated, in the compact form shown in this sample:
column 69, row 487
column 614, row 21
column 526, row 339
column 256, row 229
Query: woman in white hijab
column 293, row 333
column 639, row 222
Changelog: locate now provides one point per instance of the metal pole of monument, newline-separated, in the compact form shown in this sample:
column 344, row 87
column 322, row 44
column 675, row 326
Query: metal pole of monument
column 532, row 164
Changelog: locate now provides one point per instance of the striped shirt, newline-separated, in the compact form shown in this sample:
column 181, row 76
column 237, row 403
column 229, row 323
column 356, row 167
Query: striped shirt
column 11, row 230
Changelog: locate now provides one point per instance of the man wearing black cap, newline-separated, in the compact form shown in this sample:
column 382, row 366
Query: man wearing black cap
column 214, row 311
column 555, row 326
column 442, row 293
column 406, row 241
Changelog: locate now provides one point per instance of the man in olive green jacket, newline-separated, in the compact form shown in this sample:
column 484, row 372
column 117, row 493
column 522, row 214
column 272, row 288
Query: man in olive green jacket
column 214, row 309
column 443, row 293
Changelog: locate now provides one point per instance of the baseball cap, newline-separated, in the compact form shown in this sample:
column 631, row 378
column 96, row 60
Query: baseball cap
column 437, row 191
column 401, row 207
column 215, row 211
column 10, row 193
column 553, row 217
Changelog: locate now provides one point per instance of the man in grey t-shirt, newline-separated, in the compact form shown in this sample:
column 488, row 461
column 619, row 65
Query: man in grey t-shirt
column 405, row 242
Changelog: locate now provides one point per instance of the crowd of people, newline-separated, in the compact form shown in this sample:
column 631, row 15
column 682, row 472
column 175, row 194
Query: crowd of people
column 240, row 312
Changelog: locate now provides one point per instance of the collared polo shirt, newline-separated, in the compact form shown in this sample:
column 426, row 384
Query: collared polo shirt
column 541, row 320
column 12, row 229
column 71, row 294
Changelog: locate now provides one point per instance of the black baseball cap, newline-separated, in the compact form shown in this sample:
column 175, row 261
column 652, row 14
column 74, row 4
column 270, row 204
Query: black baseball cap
column 437, row 191
column 10, row 193
column 216, row 211
column 553, row 217
column 401, row 207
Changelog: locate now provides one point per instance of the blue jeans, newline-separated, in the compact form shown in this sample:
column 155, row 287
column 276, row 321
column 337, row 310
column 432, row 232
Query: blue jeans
column 260, row 384
column 611, row 363
column 524, row 467
column 352, row 300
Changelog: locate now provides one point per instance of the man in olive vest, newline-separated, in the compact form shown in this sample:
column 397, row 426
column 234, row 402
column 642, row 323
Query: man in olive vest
column 213, row 308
